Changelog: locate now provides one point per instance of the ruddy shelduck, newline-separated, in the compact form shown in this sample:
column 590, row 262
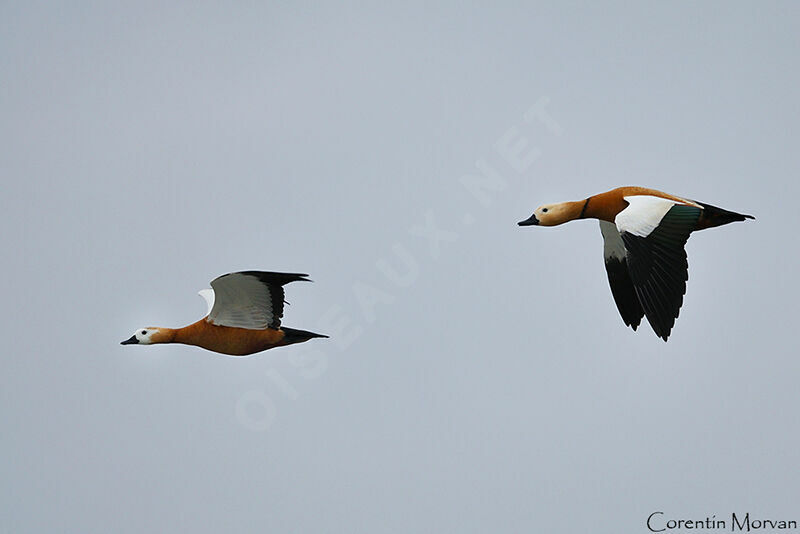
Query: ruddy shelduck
column 244, row 317
column 644, row 233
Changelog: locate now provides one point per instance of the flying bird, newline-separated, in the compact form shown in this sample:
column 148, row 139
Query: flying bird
column 644, row 233
column 244, row 317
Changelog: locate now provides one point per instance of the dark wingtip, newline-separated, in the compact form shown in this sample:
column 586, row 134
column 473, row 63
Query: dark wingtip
column 272, row 277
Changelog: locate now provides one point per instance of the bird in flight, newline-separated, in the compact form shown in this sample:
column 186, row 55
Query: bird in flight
column 644, row 233
column 244, row 317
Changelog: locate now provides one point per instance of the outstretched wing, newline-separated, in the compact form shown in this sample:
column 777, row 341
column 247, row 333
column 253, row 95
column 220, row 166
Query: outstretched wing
column 250, row 299
column 622, row 287
column 654, row 231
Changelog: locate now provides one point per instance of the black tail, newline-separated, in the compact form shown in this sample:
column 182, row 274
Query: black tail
column 290, row 335
column 713, row 216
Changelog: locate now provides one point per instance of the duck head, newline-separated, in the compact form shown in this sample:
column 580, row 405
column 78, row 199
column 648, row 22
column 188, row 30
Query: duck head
column 145, row 336
column 553, row 214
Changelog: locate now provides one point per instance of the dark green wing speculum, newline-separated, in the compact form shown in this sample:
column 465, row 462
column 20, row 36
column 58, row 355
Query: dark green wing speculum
column 658, row 267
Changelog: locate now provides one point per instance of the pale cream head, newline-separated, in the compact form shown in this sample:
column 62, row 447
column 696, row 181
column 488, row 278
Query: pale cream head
column 552, row 215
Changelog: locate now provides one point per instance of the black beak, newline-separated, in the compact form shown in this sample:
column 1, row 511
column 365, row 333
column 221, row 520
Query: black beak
column 130, row 341
column 533, row 221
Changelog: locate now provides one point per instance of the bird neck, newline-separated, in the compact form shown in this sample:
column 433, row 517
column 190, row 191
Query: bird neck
column 603, row 206
column 188, row 335
column 163, row 335
column 570, row 211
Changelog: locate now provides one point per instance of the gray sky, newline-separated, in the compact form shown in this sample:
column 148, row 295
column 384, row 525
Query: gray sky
column 478, row 381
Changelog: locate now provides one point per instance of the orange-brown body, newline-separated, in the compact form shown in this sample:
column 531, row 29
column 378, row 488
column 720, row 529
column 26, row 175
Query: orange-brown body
column 244, row 317
column 222, row 339
column 606, row 206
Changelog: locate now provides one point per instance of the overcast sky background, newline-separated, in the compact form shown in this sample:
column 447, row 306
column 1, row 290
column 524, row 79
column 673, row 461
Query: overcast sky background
column 479, row 382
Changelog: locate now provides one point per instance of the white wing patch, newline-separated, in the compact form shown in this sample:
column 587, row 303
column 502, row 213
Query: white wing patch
column 241, row 301
column 208, row 296
column 613, row 247
column 643, row 214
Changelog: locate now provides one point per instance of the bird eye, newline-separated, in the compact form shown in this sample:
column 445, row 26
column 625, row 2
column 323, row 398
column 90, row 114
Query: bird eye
column 544, row 210
column 144, row 332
